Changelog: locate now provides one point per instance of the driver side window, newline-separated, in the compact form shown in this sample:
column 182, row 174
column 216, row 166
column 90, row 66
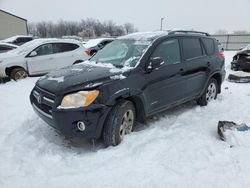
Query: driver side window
column 168, row 51
column 45, row 49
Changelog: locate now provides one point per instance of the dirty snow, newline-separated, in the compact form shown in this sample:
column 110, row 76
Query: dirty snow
column 58, row 79
column 118, row 77
column 178, row 148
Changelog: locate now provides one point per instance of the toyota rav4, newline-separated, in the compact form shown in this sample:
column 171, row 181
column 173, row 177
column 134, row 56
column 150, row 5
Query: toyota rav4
column 132, row 78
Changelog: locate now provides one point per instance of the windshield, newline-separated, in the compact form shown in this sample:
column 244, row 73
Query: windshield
column 122, row 53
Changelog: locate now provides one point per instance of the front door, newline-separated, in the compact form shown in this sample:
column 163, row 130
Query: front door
column 165, row 85
column 43, row 62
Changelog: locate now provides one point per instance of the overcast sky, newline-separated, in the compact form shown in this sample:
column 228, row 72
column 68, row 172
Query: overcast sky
column 206, row 15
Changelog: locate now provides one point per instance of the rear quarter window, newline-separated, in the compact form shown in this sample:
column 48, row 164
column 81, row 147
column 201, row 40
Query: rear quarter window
column 191, row 48
column 209, row 45
column 64, row 47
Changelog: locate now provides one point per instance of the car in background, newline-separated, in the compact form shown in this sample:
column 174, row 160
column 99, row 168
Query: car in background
column 18, row 39
column 94, row 45
column 241, row 60
column 5, row 47
column 40, row 56
column 132, row 78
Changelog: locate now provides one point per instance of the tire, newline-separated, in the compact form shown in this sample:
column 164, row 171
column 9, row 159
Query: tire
column 119, row 122
column 18, row 74
column 210, row 92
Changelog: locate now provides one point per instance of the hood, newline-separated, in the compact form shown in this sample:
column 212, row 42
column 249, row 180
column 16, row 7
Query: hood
column 77, row 77
column 9, row 55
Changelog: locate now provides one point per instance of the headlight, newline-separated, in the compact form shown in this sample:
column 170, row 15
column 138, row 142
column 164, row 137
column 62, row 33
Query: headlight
column 79, row 99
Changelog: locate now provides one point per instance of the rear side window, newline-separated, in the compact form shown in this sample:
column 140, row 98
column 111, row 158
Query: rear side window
column 209, row 45
column 64, row 47
column 168, row 51
column 191, row 48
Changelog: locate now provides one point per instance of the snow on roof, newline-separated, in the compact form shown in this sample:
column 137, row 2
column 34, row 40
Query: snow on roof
column 8, row 44
column 144, row 35
column 11, row 39
column 94, row 42
column 36, row 42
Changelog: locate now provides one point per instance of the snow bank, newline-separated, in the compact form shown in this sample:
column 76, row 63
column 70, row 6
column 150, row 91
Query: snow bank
column 178, row 148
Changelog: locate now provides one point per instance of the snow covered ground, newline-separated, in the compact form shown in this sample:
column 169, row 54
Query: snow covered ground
column 177, row 149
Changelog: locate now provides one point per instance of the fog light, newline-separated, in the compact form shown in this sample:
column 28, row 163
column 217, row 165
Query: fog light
column 80, row 126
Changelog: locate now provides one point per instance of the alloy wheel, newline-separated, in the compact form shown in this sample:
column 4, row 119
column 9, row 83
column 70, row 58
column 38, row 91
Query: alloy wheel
column 211, row 92
column 127, row 123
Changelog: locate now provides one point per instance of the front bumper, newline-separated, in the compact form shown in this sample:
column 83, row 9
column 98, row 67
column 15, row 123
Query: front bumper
column 65, row 120
column 2, row 71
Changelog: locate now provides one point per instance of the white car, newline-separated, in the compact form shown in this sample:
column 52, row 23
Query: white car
column 40, row 56
column 18, row 39
column 94, row 45
column 5, row 47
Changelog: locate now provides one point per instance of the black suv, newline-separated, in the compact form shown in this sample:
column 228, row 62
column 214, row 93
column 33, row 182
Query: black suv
column 132, row 78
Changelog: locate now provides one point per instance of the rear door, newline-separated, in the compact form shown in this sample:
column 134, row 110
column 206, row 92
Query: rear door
column 166, row 84
column 196, row 65
column 64, row 54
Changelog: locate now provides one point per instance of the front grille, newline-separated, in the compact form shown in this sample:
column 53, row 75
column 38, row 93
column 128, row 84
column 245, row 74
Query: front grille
column 43, row 101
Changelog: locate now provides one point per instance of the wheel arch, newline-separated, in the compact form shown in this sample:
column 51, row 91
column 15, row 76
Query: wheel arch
column 9, row 69
column 218, row 77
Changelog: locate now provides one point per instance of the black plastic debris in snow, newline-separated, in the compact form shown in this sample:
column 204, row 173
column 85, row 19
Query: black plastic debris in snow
column 238, row 79
column 224, row 126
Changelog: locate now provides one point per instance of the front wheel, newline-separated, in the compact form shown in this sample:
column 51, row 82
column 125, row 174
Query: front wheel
column 18, row 74
column 210, row 93
column 120, row 122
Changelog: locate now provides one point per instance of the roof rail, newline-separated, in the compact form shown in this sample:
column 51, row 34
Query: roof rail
column 186, row 31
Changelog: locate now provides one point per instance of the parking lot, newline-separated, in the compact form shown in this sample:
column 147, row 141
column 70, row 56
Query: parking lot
column 179, row 148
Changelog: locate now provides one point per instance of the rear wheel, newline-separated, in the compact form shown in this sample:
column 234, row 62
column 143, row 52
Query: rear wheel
column 210, row 93
column 18, row 74
column 120, row 122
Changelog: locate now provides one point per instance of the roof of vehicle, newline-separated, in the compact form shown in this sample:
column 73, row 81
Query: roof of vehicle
column 94, row 42
column 8, row 44
column 145, row 35
column 36, row 42
column 15, row 37
column 49, row 40
column 156, row 34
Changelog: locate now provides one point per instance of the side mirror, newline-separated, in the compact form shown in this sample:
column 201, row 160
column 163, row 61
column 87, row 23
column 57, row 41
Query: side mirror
column 33, row 54
column 155, row 63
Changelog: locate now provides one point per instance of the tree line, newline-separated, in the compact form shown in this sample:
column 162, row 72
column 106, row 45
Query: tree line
column 86, row 28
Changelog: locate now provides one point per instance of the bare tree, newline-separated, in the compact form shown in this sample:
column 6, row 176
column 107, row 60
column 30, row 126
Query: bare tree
column 129, row 28
column 221, row 32
column 240, row 32
column 85, row 28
